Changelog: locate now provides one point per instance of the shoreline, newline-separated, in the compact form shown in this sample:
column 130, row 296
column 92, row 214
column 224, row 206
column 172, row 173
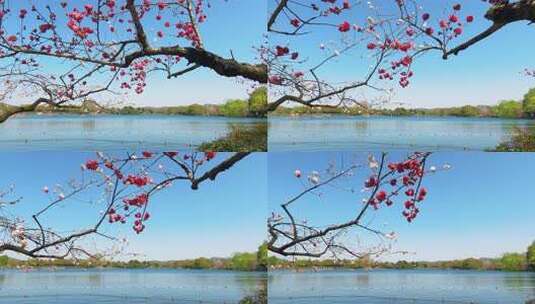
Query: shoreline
column 271, row 269
column 45, row 114
column 335, row 115
column 60, row 268
column 272, row 115
column 348, row 269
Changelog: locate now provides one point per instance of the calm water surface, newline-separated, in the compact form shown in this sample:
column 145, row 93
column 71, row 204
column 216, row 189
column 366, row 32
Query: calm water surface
column 113, row 132
column 400, row 286
column 127, row 286
column 316, row 133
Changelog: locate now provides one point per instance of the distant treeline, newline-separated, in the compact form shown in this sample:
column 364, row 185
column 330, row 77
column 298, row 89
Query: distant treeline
column 507, row 262
column 252, row 107
column 244, row 261
column 504, row 109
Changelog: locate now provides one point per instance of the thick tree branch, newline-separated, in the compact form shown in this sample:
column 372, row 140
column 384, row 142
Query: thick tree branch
column 220, row 168
column 40, row 242
column 273, row 17
column 10, row 110
column 500, row 15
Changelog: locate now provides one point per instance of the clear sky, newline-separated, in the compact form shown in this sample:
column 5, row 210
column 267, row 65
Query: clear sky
column 482, row 207
column 222, row 217
column 483, row 74
column 232, row 26
column 237, row 26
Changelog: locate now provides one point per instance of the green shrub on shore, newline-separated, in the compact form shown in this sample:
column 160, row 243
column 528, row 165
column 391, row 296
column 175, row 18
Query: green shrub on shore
column 240, row 139
column 522, row 140
column 528, row 103
column 234, row 108
column 244, row 261
column 257, row 102
column 259, row 298
column 201, row 263
column 530, row 256
column 513, row 262
column 508, row 109
column 3, row 261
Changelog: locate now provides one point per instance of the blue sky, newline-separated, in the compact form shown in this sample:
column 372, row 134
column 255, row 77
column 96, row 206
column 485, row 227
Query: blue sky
column 482, row 207
column 484, row 74
column 236, row 26
column 232, row 26
column 222, row 217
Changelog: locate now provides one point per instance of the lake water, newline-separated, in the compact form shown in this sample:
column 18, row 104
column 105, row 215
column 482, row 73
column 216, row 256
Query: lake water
column 113, row 286
column 392, row 133
column 113, row 132
column 400, row 287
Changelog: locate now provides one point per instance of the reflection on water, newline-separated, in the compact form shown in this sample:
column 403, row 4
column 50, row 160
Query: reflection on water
column 401, row 286
column 128, row 286
column 88, row 125
column 381, row 132
column 95, row 279
column 251, row 285
column 362, row 125
column 362, row 279
column 113, row 132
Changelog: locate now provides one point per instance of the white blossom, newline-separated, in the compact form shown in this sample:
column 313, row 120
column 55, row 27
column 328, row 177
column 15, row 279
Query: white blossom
column 391, row 236
column 372, row 162
column 314, row 177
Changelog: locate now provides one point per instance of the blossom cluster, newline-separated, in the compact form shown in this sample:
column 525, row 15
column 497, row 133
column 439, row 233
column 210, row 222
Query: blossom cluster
column 137, row 181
